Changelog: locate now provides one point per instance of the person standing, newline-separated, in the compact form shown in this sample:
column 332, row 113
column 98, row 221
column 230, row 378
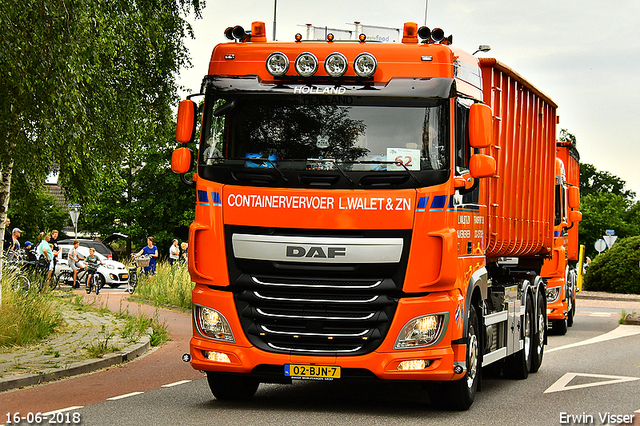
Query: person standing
column 14, row 244
column 152, row 251
column 45, row 253
column 174, row 252
column 56, row 249
column 7, row 235
column 185, row 252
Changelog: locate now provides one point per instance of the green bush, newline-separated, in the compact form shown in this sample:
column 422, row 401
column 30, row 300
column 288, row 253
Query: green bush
column 616, row 270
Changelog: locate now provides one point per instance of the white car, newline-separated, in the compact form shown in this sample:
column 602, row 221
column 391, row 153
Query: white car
column 112, row 273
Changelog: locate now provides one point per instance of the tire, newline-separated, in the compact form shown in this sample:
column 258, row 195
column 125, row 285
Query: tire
column 572, row 308
column 21, row 283
column 517, row 366
column 66, row 277
column 559, row 326
column 100, row 282
column 460, row 394
column 133, row 282
column 540, row 334
column 232, row 388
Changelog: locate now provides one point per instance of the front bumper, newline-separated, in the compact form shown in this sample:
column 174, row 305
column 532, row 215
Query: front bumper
column 382, row 363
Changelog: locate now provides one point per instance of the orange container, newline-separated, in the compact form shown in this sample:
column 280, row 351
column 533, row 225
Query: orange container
column 520, row 198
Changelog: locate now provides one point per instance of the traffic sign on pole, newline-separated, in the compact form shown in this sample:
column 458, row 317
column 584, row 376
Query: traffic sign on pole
column 610, row 240
column 600, row 245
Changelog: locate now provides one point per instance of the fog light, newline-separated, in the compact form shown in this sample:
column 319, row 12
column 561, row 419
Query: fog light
column 277, row 64
column 414, row 364
column 552, row 294
column 306, row 64
column 422, row 331
column 216, row 356
column 365, row 65
column 213, row 325
column 336, row 64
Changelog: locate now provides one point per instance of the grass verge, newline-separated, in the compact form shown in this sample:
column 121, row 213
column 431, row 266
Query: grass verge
column 171, row 285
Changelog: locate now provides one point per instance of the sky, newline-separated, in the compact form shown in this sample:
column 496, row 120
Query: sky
column 583, row 54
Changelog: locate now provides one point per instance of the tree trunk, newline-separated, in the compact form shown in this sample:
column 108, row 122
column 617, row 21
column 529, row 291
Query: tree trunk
column 5, row 191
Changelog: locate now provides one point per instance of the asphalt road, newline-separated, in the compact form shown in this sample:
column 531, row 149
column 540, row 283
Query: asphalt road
column 576, row 379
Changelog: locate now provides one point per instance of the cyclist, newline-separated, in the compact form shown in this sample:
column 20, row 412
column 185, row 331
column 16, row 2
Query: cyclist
column 75, row 261
column 92, row 266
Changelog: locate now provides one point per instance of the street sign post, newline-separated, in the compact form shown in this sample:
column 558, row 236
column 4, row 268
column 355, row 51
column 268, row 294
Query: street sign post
column 610, row 240
column 74, row 213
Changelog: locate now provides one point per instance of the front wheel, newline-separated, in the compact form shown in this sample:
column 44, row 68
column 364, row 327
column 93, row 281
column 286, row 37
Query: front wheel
column 459, row 395
column 21, row 283
column 540, row 334
column 229, row 387
column 133, row 281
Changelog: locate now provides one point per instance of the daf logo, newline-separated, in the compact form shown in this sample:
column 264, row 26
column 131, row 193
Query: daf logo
column 316, row 252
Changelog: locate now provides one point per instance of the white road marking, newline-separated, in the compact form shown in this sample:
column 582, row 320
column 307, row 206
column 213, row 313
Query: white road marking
column 62, row 410
column 623, row 330
column 181, row 382
column 562, row 383
column 127, row 395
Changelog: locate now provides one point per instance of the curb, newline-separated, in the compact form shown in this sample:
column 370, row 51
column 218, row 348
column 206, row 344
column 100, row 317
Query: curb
column 632, row 319
column 81, row 367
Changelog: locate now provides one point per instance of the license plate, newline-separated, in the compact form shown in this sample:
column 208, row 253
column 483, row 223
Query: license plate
column 318, row 372
column 125, row 276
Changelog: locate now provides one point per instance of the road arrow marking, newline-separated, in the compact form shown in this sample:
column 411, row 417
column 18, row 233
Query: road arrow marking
column 623, row 330
column 127, row 395
column 563, row 382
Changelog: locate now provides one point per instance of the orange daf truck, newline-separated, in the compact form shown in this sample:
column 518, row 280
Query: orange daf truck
column 561, row 276
column 367, row 211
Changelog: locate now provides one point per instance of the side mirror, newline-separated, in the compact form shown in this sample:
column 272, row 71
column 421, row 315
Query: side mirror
column 181, row 160
column 480, row 126
column 574, row 197
column 482, row 166
column 186, row 126
column 575, row 216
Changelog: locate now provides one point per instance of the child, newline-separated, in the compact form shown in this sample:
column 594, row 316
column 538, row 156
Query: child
column 92, row 262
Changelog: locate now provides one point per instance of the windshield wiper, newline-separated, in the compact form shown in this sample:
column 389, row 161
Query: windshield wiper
column 409, row 172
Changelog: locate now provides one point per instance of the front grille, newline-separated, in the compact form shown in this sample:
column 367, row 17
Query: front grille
column 315, row 321
column 313, row 309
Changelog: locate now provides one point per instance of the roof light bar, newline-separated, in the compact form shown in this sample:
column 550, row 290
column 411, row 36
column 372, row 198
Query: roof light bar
column 277, row 64
column 365, row 65
column 306, row 64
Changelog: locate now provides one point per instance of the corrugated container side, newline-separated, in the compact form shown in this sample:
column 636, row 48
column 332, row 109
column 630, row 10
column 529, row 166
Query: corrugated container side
column 520, row 199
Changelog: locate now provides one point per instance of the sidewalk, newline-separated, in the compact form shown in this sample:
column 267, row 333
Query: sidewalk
column 66, row 353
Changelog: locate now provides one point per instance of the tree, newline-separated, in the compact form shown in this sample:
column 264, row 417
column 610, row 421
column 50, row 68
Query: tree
column 141, row 197
column 594, row 181
column 81, row 79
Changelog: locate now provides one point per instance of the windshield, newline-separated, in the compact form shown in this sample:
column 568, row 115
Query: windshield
column 326, row 133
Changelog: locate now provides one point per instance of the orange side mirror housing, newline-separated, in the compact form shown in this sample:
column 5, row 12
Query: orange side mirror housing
column 481, row 166
column 480, row 126
column 575, row 216
column 181, row 160
column 186, row 125
column 574, row 197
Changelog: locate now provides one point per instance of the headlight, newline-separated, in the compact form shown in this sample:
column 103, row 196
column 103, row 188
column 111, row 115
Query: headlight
column 365, row 65
column 306, row 64
column 552, row 294
column 109, row 266
column 336, row 64
column 422, row 331
column 213, row 325
column 277, row 64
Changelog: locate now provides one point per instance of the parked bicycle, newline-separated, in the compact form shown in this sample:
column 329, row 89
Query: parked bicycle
column 138, row 262
column 16, row 268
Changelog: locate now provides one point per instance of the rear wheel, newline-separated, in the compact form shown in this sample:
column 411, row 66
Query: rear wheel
column 21, row 283
column 459, row 395
column 517, row 366
column 228, row 387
